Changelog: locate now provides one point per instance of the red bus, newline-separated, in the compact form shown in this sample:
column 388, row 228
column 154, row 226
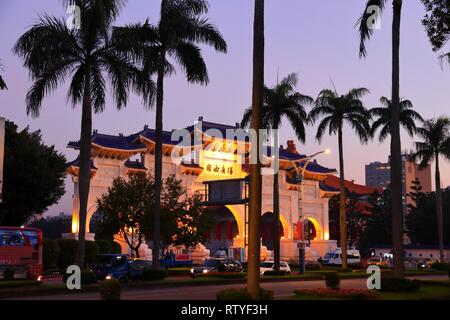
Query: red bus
column 21, row 251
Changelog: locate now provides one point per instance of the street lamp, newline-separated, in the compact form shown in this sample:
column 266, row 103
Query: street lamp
column 301, row 244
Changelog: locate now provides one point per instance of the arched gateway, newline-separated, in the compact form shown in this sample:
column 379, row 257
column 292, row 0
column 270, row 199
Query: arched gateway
column 217, row 168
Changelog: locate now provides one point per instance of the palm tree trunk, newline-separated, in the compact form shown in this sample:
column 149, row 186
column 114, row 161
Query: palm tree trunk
column 396, row 157
column 439, row 217
column 85, row 165
column 342, row 212
column 276, row 207
column 158, row 161
column 254, row 243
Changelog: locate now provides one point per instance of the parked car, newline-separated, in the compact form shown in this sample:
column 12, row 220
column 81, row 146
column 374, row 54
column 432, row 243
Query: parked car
column 335, row 257
column 176, row 260
column 268, row 266
column 217, row 265
column 120, row 267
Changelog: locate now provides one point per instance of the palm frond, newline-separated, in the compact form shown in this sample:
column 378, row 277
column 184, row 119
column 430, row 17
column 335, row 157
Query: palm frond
column 190, row 59
column 365, row 25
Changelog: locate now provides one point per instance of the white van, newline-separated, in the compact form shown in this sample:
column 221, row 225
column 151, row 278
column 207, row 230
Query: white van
column 335, row 257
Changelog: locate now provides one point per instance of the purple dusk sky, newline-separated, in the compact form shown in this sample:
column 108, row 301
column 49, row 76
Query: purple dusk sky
column 316, row 38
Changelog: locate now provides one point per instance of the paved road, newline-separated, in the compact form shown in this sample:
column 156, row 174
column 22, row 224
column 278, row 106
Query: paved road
column 280, row 289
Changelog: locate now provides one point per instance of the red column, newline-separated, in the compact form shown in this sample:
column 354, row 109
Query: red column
column 218, row 231
column 230, row 230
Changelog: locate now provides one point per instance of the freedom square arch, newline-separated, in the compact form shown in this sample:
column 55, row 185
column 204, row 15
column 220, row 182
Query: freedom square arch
column 221, row 176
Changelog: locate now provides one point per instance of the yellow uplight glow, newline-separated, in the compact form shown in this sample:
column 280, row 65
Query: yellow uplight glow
column 327, row 151
column 327, row 236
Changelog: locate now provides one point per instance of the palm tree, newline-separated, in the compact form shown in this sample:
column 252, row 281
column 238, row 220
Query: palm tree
column 2, row 82
column 366, row 31
column 281, row 101
column 255, row 192
column 408, row 118
column 335, row 110
column 180, row 29
column 436, row 136
column 52, row 52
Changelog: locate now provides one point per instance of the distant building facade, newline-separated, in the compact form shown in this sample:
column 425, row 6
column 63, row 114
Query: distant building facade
column 378, row 176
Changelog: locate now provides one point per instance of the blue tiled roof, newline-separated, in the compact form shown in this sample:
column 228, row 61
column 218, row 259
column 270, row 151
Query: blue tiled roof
column 222, row 128
column 315, row 167
column 137, row 165
column 327, row 188
column 150, row 134
column 112, row 141
column 76, row 163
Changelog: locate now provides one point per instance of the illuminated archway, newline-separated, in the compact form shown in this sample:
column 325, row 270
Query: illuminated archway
column 225, row 228
column 267, row 229
column 317, row 227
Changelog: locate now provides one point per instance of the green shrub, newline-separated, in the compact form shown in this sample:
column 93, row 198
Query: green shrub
column 293, row 263
column 68, row 252
column 440, row 266
column 313, row 266
column 110, row 289
column 233, row 294
column 8, row 274
column 91, row 250
column 154, row 274
column 116, row 248
column 178, row 271
column 276, row 273
column 104, row 246
column 50, row 253
column 87, row 277
column 391, row 284
column 332, row 280
column 242, row 294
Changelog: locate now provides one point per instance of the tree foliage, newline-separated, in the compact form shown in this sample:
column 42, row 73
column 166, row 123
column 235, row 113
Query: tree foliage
column 408, row 118
column 356, row 219
column 421, row 220
column 33, row 176
column 128, row 206
column 53, row 227
column 437, row 22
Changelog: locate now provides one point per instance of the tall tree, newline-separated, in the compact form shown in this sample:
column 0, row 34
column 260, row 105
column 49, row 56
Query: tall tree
column 281, row 101
column 33, row 176
column 335, row 110
column 379, row 222
column 180, row 30
column 437, row 22
column 408, row 118
column 2, row 82
column 421, row 221
column 367, row 25
column 53, row 52
column 255, row 192
column 436, row 142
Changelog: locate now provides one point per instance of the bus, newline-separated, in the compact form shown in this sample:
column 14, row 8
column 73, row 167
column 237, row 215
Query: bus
column 21, row 251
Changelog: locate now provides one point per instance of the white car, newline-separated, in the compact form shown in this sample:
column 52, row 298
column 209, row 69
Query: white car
column 268, row 266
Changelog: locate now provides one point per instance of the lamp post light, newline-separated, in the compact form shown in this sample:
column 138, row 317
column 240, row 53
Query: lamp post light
column 302, row 243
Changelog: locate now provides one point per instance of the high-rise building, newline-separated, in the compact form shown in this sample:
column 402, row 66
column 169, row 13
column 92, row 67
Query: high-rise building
column 378, row 175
